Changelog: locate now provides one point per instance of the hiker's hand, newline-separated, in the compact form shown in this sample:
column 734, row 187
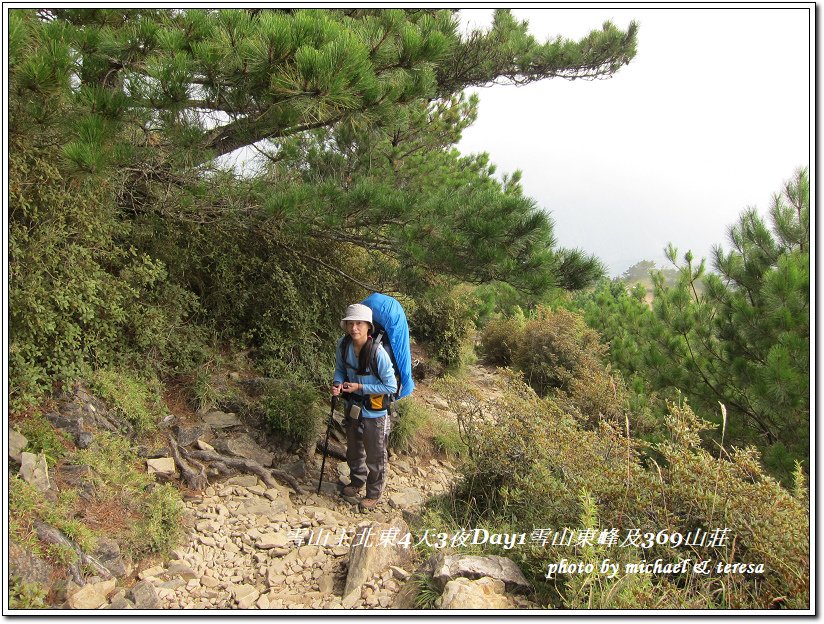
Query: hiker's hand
column 336, row 390
column 352, row 387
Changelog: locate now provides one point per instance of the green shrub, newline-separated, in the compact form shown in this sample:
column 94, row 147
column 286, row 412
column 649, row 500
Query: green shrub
column 290, row 410
column 114, row 467
column 442, row 319
column 556, row 347
column 253, row 288
column 532, row 465
column 27, row 504
column 130, row 399
column 80, row 294
column 497, row 298
column 24, row 502
column 410, row 418
column 500, row 338
column 427, row 592
column 159, row 529
column 448, row 439
column 561, row 357
column 43, row 437
column 23, row 595
column 62, row 554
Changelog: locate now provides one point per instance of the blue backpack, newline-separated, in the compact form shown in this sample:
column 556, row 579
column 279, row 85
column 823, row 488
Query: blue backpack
column 392, row 332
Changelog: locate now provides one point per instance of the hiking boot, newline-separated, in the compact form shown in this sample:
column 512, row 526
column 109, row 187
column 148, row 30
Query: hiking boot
column 350, row 491
column 369, row 503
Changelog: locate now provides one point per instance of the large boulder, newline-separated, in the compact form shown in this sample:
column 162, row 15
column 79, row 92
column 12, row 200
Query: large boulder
column 484, row 593
column 221, row 420
column 446, row 568
column 369, row 555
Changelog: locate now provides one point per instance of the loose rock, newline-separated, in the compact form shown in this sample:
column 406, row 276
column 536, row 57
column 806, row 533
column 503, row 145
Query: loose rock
column 35, row 471
column 17, row 442
column 92, row 595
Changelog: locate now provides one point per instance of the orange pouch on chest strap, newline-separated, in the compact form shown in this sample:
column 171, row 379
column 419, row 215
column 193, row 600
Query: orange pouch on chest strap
column 376, row 401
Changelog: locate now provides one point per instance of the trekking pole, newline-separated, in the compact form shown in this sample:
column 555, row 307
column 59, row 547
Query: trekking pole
column 326, row 444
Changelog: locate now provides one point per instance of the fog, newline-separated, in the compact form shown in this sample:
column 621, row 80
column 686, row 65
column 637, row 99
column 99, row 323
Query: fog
column 711, row 117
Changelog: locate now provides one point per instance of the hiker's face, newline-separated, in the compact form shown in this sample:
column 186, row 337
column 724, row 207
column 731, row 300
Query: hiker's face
column 357, row 329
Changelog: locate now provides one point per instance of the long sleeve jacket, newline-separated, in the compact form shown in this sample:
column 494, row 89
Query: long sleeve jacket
column 346, row 369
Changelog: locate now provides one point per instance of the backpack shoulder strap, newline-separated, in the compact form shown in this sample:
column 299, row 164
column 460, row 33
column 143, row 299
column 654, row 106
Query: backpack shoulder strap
column 373, row 356
column 344, row 347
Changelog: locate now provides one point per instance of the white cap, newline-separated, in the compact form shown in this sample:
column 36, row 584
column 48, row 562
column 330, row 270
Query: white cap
column 357, row 312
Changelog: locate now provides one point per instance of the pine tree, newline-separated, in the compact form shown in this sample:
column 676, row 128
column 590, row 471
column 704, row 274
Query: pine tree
column 208, row 81
column 363, row 106
column 745, row 340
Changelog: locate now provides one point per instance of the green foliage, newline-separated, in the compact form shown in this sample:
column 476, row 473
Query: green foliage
column 447, row 439
column 561, row 357
column 129, row 398
column 257, row 287
column 62, row 554
column 500, row 338
column 77, row 298
column 24, row 595
column 497, row 298
column 159, row 529
column 206, row 394
column 23, row 505
column 306, row 68
column 412, row 416
column 114, row 467
column 441, row 319
column 533, row 466
column 739, row 335
column 119, row 483
column 43, row 437
column 427, row 592
column 290, row 409
column 27, row 504
column 554, row 348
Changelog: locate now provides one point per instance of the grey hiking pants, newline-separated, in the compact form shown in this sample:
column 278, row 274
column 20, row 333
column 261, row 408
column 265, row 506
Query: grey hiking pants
column 366, row 453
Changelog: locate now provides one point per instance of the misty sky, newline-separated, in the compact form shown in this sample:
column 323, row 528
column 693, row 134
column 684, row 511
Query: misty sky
column 711, row 117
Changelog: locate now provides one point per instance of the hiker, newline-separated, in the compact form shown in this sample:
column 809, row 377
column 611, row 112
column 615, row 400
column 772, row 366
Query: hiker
column 366, row 395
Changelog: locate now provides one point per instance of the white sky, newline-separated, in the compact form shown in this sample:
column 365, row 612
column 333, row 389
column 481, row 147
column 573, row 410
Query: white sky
column 711, row 117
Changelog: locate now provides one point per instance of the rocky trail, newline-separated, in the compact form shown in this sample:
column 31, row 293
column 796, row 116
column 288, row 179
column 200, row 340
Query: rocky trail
column 252, row 542
column 268, row 548
column 251, row 546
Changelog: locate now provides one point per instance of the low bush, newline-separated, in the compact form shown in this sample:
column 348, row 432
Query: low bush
column 447, row 438
column 120, row 483
column 80, row 294
column 500, row 338
column 159, row 529
column 290, row 409
column 43, row 438
column 132, row 401
column 532, row 466
column 23, row 595
column 411, row 417
column 555, row 349
column 442, row 319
